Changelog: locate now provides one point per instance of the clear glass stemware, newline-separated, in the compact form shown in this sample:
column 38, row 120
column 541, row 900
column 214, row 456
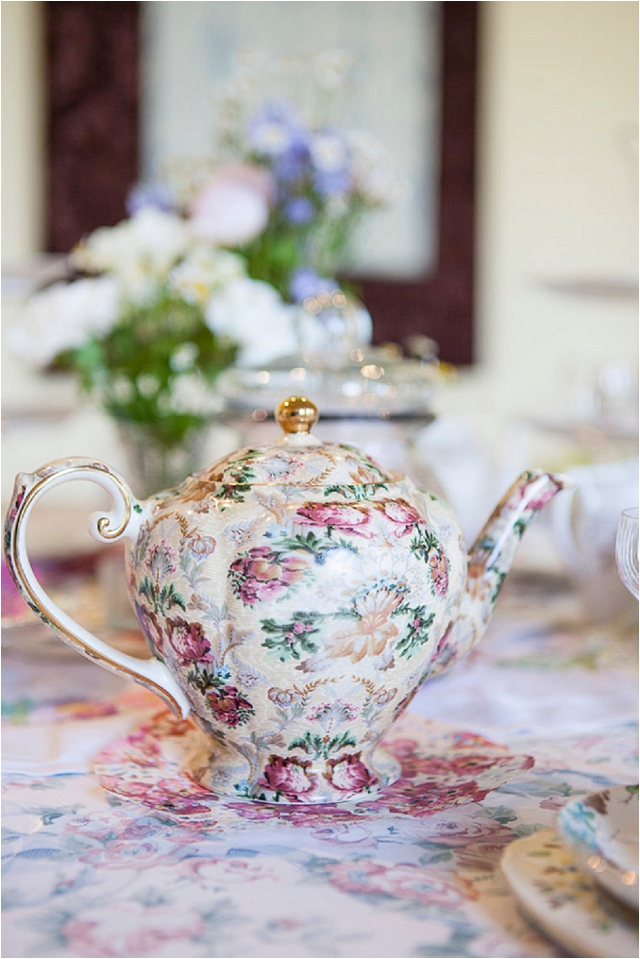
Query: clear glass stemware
column 627, row 549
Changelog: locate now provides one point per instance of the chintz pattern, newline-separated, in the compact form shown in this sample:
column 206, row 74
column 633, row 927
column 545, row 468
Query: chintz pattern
column 288, row 593
column 301, row 596
column 298, row 596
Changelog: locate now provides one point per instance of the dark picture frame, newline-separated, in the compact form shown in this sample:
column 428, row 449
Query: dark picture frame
column 93, row 114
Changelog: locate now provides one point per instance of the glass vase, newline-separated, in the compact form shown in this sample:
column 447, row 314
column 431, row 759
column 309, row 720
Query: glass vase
column 154, row 466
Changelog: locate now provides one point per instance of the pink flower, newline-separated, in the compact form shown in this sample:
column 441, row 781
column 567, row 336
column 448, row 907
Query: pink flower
column 439, row 567
column 228, row 706
column 288, row 777
column 140, row 930
column 400, row 881
column 233, row 207
column 262, row 574
column 465, row 830
column 341, row 516
column 188, row 642
column 179, row 796
column 537, row 492
column 402, row 514
column 422, row 799
column 348, row 773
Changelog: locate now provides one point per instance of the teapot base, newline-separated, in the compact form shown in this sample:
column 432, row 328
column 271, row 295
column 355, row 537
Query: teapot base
column 293, row 780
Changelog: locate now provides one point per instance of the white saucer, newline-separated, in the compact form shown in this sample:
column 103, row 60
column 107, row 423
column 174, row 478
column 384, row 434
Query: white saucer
column 602, row 831
column 564, row 903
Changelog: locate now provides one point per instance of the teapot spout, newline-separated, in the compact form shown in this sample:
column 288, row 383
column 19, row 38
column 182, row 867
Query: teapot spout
column 490, row 559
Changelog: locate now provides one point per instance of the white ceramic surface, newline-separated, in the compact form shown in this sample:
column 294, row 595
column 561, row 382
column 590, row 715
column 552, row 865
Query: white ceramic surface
column 555, row 895
column 602, row 831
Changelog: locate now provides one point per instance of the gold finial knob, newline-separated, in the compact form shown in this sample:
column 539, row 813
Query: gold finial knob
column 297, row 414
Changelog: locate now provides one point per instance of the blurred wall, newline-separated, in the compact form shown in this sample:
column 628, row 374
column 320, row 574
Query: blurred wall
column 557, row 197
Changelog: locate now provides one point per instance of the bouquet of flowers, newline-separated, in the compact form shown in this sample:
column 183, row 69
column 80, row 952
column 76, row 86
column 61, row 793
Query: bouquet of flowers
column 288, row 185
column 151, row 317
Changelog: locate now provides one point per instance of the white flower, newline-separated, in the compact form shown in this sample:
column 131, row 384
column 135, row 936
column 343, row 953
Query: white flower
column 329, row 152
column 63, row 317
column 271, row 138
column 253, row 314
column 233, row 207
column 374, row 176
column 139, row 251
column 203, row 270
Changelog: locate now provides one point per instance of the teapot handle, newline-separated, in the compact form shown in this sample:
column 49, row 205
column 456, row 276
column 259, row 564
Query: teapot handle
column 124, row 520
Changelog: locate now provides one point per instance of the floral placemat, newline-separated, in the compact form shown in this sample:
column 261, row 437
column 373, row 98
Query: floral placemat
column 153, row 866
column 111, row 849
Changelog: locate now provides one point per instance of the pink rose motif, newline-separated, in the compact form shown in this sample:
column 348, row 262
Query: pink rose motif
column 406, row 797
column 402, row 514
column 229, row 706
column 289, row 777
column 141, row 930
column 400, row 881
column 465, row 831
column 439, row 568
column 348, row 773
column 183, row 798
column 545, row 488
column 347, row 518
column 262, row 574
column 188, row 642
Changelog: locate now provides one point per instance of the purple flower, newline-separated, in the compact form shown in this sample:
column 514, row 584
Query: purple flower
column 293, row 163
column 332, row 182
column 299, row 210
column 274, row 129
column 305, row 282
column 156, row 195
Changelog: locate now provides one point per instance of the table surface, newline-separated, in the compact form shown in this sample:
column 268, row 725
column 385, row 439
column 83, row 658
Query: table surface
column 109, row 850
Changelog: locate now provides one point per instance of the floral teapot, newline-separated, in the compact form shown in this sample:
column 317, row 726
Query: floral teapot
column 294, row 597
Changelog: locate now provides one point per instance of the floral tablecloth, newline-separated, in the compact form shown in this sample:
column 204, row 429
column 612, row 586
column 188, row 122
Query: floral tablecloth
column 111, row 850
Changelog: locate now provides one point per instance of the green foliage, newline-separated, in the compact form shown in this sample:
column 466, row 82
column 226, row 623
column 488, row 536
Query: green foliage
column 318, row 747
column 133, row 370
column 289, row 640
column 162, row 598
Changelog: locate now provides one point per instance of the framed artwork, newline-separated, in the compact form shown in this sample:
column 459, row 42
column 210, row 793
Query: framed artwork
column 130, row 87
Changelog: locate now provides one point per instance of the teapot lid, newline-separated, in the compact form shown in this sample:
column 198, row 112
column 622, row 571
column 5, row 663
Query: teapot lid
column 299, row 458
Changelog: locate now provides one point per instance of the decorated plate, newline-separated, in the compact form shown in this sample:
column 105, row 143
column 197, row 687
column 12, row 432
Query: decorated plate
column 602, row 831
column 560, row 900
